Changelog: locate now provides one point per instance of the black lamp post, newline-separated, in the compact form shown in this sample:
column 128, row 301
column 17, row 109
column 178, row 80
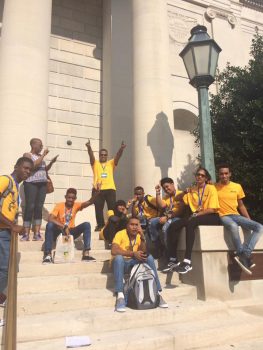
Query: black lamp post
column 200, row 57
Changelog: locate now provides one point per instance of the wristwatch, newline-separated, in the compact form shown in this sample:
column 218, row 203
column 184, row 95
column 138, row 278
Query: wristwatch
column 194, row 215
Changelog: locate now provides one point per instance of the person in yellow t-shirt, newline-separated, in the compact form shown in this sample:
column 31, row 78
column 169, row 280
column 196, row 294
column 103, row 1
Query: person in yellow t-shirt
column 62, row 220
column 129, row 248
column 144, row 207
column 9, row 204
column 230, row 195
column 202, row 200
column 103, row 172
column 171, row 209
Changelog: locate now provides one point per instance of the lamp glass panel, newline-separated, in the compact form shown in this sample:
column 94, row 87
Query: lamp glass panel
column 201, row 53
column 189, row 63
column 214, row 59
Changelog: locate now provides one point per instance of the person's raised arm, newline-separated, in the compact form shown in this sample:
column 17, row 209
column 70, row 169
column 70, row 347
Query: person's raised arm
column 37, row 162
column 119, row 153
column 160, row 203
column 90, row 152
column 242, row 209
column 92, row 199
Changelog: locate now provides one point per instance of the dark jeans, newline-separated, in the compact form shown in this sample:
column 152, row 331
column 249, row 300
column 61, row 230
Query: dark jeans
column 105, row 195
column 52, row 232
column 35, row 195
column 5, row 238
column 114, row 225
column 190, row 225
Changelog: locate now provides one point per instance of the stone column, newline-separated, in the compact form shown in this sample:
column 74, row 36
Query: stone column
column 153, row 117
column 24, row 59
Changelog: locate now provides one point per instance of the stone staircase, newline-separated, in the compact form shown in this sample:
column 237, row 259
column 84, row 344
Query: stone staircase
column 61, row 300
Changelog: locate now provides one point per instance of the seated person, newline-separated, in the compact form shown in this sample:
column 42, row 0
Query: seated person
column 143, row 207
column 172, row 208
column 62, row 220
column 128, row 249
column 202, row 200
column 117, row 221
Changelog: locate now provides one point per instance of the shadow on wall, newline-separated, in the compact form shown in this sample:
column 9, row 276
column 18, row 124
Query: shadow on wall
column 160, row 140
column 187, row 175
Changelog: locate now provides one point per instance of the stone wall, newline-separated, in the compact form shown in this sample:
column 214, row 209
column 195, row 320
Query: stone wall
column 74, row 93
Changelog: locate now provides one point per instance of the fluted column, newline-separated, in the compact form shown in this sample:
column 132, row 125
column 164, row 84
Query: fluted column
column 153, row 118
column 24, row 59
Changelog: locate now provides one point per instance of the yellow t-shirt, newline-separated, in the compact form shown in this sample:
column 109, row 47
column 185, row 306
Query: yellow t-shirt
column 172, row 203
column 10, row 203
column 122, row 239
column 228, row 196
column 209, row 198
column 146, row 210
column 103, row 173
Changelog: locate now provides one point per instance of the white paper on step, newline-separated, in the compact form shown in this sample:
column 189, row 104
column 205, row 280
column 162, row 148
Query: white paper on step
column 77, row 341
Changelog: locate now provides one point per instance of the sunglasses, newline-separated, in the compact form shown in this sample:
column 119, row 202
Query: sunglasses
column 199, row 174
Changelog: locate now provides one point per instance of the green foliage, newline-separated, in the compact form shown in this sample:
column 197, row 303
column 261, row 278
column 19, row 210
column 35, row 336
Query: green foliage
column 237, row 125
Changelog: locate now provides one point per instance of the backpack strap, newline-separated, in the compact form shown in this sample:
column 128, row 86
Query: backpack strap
column 6, row 192
column 146, row 198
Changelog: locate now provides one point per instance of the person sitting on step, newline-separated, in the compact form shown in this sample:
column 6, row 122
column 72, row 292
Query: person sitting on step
column 117, row 221
column 62, row 220
column 129, row 248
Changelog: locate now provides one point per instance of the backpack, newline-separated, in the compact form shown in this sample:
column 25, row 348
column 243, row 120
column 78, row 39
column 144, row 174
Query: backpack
column 141, row 288
column 6, row 192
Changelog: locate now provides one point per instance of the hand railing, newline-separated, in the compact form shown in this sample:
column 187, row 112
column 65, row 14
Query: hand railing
column 11, row 305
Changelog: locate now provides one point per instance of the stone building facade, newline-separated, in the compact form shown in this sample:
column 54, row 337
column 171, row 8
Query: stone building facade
column 110, row 71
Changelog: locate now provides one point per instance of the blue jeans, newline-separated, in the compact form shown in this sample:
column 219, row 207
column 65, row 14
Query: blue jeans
column 155, row 226
column 231, row 223
column 52, row 232
column 5, row 238
column 122, row 266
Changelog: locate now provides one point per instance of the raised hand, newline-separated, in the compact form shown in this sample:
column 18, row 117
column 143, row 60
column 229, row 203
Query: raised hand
column 123, row 145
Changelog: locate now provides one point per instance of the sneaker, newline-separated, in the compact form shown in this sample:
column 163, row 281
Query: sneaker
column 88, row 258
column 162, row 303
column 244, row 262
column 251, row 264
column 37, row 237
column 47, row 260
column 183, row 267
column 98, row 228
column 24, row 238
column 170, row 266
column 120, row 305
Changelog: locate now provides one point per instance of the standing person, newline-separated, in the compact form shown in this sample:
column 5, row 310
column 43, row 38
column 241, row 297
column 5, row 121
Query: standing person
column 202, row 200
column 230, row 195
column 62, row 219
column 103, row 170
column 35, row 188
column 172, row 208
column 9, row 204
column 128, row 249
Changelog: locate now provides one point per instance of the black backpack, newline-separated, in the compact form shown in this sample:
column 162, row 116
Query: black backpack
column 141, row 288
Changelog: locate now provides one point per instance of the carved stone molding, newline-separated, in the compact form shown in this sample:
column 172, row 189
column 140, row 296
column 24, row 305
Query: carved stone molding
column 212, row 13
column 180, row 27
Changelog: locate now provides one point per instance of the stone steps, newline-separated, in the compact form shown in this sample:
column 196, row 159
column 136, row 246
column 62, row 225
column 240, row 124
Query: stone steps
column 186, row 325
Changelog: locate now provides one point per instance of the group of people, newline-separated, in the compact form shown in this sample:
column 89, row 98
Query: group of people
column 158, row 219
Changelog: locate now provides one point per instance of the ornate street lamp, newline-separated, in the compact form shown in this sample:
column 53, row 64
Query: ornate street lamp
column 200, row 57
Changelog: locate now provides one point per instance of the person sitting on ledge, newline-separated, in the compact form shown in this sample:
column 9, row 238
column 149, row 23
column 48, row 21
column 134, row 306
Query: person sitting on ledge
column 230, row 195
column 202, row 200
column 144, row 207
column 117, row 221
column 62, row 220
column 129, row 248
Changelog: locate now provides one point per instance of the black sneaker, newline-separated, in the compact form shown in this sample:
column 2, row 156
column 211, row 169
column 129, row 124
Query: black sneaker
column 98, row 228
column 251, row 264
column 183, row 267
column 88, row 258
column 171, row 266
column 47, row 259
column 244, row 262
